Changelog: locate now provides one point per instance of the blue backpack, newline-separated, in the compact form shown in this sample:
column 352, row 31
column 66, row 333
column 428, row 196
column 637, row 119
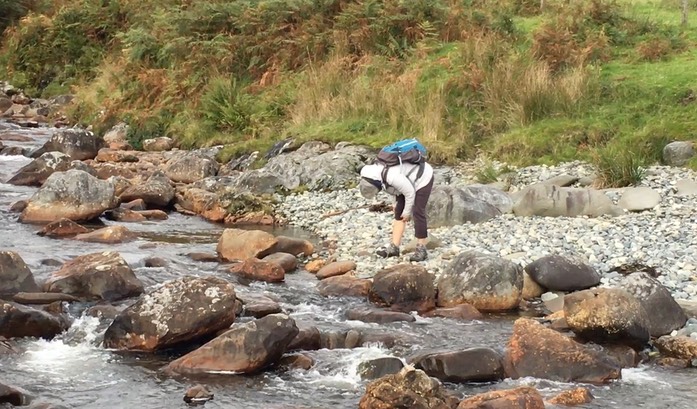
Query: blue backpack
column 404, row 151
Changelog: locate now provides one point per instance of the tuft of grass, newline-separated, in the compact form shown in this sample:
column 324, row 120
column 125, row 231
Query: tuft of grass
column 618, row 168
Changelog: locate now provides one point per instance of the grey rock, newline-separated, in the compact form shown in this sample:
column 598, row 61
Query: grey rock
column 469, row 365
column 639, row 198
column 449, row 206
column 563, row 273
column 495, row 197
column 36, row 173
column 686, row 187
column 678, row 153
column 664, row 313
column 549, row 200
column 15, row 276
column 190, row 167
column 79, row 144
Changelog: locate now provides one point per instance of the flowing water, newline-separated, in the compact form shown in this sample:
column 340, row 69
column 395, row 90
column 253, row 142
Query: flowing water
column 75, row 371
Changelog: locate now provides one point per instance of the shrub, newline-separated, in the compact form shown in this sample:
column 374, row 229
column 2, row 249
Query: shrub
column 618, row 167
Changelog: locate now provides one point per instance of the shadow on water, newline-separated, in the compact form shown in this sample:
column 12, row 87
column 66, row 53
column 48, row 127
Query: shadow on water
column 76, row 371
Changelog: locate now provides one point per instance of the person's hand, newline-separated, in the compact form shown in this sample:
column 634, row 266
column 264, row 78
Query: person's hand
column 406, row 218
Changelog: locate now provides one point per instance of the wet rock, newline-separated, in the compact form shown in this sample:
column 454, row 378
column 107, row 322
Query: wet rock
column 36, row 172
column 62, row 228
column 540, row 352
column 100, row 276
column 607, row 315
column 336, row 268
column 287, row 262
column 404, row 287
column 377, row 316
column 523, row 397
column 160, row 144
column 180, row 311
column 124, row 215
column 558, row 272
column 574, row 397
column 679, row 347
column 258, row 306
column 237, row 244
column 156, row 191
column 663, row 312
column 295, row 246
column 108, row 235
column 198, row 394
column 488, row 283
column 15, row 276
column 344, row 285
column 14, row 396
column 134, row 205
column 297, row 361
column 201, row 202
column 155, row 262
column 469, row 365
column 341, row 339
column 74, row 195
column 246, row 348
column 190, row 167
column 463, row 312
column 105, row 311
column 19, row 206
column 51, row 262
column 625, row 355
column 531, row 289
column 315, row 265
column 255, row 269
column 451, row 206
column 204, row 257
column 377, row 368
column 678, row 153
column 76, row 143
column 153, row 214
column 41, row 298
column 673, row 363
column 307, row 339
column 409, row 388
column 553, row 201
column 17, row 321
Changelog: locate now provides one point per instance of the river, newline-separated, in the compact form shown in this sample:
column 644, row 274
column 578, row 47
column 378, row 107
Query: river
column 75, row 371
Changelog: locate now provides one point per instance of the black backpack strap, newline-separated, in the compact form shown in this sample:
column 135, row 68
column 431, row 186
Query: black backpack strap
column 384, row 175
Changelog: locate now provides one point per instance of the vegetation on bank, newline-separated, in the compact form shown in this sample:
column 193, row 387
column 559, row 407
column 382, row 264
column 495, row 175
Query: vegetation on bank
column 601, row 80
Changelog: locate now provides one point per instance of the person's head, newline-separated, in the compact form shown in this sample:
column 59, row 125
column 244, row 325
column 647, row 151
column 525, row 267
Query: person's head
column 371, row 181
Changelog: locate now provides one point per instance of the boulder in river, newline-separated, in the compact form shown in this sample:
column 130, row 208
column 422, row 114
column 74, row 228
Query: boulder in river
column 157, row 190
column 62, row 228
column 108, row 235
column 344, row 285
column 557, row 272
column 524, row 397
column 36, row 172
column 14, row 396
column 379, row 367
column 18, row 321
column 462, row 366
column 77, row 143
column 255, row 269
column 403, row 287
column 663, row 312
column 238, row 244
column 409, row 387
column 15, row 276
column 335, row 268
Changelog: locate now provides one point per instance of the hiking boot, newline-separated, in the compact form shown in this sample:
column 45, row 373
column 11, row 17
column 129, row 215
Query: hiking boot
column 420, row 254
column 390, row 251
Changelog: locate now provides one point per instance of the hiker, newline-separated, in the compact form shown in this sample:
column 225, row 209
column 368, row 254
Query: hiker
column 411, row 183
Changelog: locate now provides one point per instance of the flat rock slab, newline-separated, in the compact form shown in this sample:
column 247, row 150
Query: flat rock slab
column 686, row 187
column 637, row 199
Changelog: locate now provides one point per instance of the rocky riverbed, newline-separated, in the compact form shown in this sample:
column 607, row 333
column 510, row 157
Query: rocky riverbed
column 129, row 276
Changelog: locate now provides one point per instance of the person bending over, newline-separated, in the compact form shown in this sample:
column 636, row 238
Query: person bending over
column 412, row 194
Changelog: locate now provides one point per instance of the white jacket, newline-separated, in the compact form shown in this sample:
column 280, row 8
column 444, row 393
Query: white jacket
column 401, row 180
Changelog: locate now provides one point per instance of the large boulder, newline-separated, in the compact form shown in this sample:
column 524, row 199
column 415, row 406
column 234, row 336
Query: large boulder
column 344, row 285
column 238, row 244
column 98, row 276
column 542, row 199
column 18, row 321
column 494, row 196
column 76, row 143
column 678, row 153
column 409, row 388
column 524, row 397
column 489, row 283
column 246, row 348
column 156, row 191
column 36, row 172
column 558, row 272
column 315, row 166
column 182, row 310
column 379, row 367
column 201, row 202
column 469, row 365
column 15, row 276
column 190, row 167
column 255, row 269
column 664, row 313
column 74, row 195
column 404, row 287
column 607, row 315
column 536, row 351
column 451, row 206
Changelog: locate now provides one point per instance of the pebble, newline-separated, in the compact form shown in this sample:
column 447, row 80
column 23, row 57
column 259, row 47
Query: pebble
column 662, row 237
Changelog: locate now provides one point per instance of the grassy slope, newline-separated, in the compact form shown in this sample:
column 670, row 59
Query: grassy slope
column 168, row 73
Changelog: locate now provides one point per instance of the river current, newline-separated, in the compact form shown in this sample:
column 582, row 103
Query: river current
column 75, row 371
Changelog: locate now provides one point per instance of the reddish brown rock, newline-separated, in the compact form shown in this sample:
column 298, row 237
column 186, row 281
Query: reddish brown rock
column 677, row 347
column 344, row 285
column 153, row 214
column 197, row 395
column 519, row 398
column 202, row 202
column 256, row 269
column 377, row 315
column 573, row 397
column 315, row 265
column 410, row 388
column 62, row 228
column 258, row 306
column 287, row 261
column 18, row 321
column 463, row 312
column 404, row 287
column 246, row 348
column 15, row 276
column 204, row 257
column 124, row 215
column 297, row 361
column 108, row 235
column 468, row 365
column 540, row 352
column 238, row 244
column 294, row 246
column 96, row 276
column 335, row 269
column 42, row 298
